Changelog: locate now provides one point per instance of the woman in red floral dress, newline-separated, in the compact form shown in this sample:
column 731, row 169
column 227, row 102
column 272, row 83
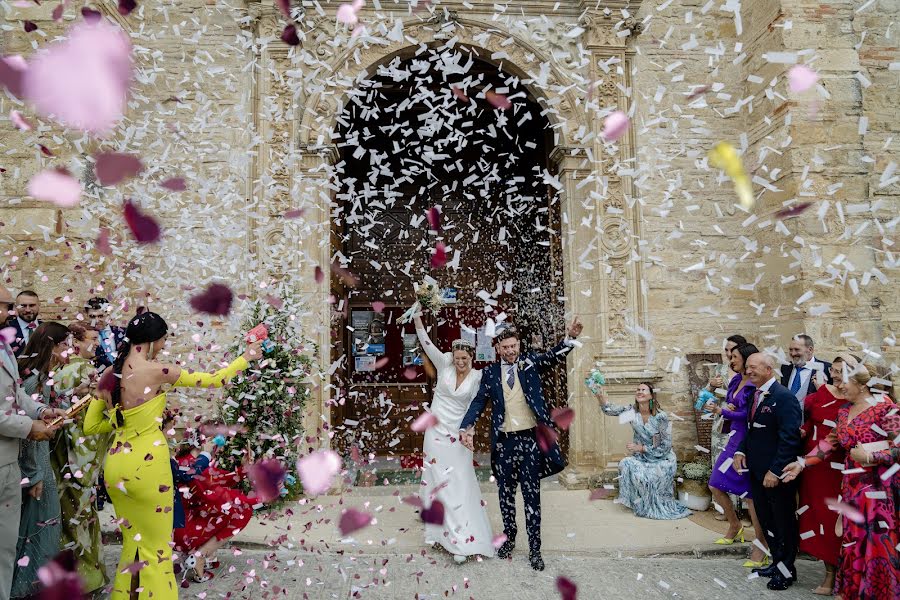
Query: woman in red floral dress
column 870, row 561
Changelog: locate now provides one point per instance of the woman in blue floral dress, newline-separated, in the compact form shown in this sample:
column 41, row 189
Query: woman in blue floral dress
column 647, row 476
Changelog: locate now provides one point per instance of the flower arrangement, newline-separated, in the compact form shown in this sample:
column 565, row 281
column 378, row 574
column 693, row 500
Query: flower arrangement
column 595, row 379
column 696, row 471
column 429, row 296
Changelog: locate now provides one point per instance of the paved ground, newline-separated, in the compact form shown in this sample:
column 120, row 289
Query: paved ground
column 429, row 574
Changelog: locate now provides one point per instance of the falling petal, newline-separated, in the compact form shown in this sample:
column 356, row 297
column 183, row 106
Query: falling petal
column 793, row 211
column 599, row 494
column 107, row 382
column 19, row 121
column 29, row 26
column 499, row 540
column 215, row 300
column 143, row 227
column 424, row 421
column 285, row 7
column 56, row 186
column 12, row 74
column 498, row 101
column 23, row 562
column 801, row 78
column 353, row 520
column 434, row 218
column 103, row 245
column 614, row 126
column 349, row 279
column 115, row 167
column 266, row 478
column 562, row 417
column 346, row 14
column 90, row 15
column 546, row 437
column 57, row 13
column 126, row 6
column 82, row 81
column 8, row 334
column 318, row 274
column 174, row 184
column 317, row 471
column 414, row 500
column 439, row 257
column 289, row 36
column 274, row 301
column 294, row 214
column 566, row 588
column 434, row 514
column 848, row 510
column 459, row 94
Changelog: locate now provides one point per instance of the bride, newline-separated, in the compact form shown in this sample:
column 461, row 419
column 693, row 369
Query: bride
column 448, row 474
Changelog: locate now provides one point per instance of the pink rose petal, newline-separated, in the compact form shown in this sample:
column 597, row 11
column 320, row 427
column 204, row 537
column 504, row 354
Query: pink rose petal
column 566, row 588
column 423, row 422
column 434, row 514
column 848, row 510
column 378, row 306
column 346, row 14
column 8, row 334
column 90, row 15
column 459, row 94
column 126, row 6
column 414, row 500
column 115, row 167
column 439, row 257
column 801, row 78
column 498, row 101
column 215, row 300
column 353, row 520
column 12, row 72
column 174, row 184
column 23, row 562
column 103, row 245
column 82, row 81
column 318, row 274
column 562, row 417
column 55, row 186
column 317, row 471
column 599, row 494
column 434, row 218
column 285, row 7
column 19, row 121
column 266, row 478
column 615, row 126
column 546, row 437
column 499, row 540
column 143, row 227
column 793, row 211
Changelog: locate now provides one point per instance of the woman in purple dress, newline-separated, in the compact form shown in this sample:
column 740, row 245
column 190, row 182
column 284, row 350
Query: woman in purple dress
column 725, row 480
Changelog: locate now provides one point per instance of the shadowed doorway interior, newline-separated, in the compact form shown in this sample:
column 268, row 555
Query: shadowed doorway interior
column 437, row 127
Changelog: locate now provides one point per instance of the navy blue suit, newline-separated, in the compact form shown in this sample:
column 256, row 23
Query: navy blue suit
column 101, row 358
column 18, row 344
column 772, row 442
column 516, row 457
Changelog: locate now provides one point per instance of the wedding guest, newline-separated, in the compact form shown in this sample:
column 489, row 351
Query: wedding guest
column 25, row 321
column 77, row 459
column 140, row 481
column 647, row 475
column 39, row 525
column 822, row 481
column 868, row 525
column 772, row 442
column 97, row 313
column 731, row 342
column 14, row 428
column 725, row 480
column 805, row 373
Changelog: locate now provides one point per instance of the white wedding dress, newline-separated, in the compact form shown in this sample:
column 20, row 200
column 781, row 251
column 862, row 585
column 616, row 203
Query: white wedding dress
column 448, row 474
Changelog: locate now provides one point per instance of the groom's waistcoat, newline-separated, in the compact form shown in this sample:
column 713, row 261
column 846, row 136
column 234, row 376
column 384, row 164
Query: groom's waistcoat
column 518, row 415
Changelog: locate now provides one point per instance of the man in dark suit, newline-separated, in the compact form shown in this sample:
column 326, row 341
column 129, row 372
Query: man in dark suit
column 805, row 373
column 520, row 424
column 97, row 312
column 772, row 442
column 25, row 321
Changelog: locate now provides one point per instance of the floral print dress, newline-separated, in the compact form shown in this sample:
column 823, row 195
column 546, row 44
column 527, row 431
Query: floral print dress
column 870, row 561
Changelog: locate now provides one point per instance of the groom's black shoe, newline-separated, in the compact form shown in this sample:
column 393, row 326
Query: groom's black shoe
column 780, row 583
column 769, row 571
column 506, row 550
column 537, row 563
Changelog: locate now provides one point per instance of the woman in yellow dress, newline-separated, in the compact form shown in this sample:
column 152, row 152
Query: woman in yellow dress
column 137, row 470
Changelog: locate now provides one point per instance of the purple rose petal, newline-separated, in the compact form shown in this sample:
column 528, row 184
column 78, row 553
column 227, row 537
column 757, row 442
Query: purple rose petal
column 144, row 228
column 216, row 300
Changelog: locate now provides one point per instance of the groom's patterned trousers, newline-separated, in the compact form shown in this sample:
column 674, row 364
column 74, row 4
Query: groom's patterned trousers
column 518, row 458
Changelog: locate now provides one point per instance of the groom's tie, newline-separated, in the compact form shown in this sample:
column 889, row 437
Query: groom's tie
column 510, row 375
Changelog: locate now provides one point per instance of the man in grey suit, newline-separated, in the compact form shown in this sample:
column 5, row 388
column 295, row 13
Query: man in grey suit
column 14, row 426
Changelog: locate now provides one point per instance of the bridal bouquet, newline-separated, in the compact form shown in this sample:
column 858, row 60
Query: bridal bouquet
column 428, row 297
column 595, row 380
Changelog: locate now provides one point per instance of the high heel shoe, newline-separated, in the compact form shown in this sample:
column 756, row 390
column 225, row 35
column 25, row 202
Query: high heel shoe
column 724, row 541
column 758, row 564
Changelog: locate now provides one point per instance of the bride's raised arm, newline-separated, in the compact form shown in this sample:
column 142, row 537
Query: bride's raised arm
column 439, row 359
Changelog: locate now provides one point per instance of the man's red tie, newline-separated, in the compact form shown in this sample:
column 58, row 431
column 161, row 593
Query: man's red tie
column 756, row 396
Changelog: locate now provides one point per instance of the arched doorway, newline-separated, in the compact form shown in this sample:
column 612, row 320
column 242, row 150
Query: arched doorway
column 431, row 128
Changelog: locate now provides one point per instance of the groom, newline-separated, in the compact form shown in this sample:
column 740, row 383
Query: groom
column 514, row 389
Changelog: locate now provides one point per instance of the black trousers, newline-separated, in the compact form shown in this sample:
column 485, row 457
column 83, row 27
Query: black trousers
column 518, row 458
column 776, row 509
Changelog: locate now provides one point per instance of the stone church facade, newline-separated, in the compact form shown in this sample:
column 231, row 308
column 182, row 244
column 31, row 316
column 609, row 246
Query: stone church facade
column 657, row 259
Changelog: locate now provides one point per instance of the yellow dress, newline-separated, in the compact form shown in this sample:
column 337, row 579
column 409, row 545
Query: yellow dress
column 139, row 481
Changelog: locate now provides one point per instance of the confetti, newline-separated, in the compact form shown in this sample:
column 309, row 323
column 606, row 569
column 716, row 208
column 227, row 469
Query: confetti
column 434, row 514
column 615, row 125
column 56, row 186
column 115, row 167
column 215, row 300
column 317, row 471
column 801, row 78
column 353, row 520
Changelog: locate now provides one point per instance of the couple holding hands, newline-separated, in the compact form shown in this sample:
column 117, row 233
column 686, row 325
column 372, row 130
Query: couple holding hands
column 513, row 387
